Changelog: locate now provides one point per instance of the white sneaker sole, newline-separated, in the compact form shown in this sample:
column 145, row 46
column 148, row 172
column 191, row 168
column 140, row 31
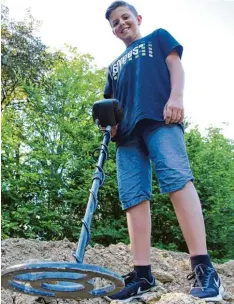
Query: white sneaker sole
column 219, row 297
column 128, row 300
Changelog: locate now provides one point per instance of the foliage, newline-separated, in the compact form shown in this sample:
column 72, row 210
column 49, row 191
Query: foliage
column 212, row 161
column 24, row 58
column 45, row 149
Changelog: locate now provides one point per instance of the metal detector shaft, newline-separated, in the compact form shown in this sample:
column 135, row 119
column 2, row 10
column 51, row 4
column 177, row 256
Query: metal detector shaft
column 98, row 179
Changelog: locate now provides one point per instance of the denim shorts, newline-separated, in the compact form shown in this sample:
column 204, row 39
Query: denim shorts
column 154, row 143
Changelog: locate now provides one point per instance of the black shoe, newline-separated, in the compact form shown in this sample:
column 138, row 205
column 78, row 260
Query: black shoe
column 207, row 285
column 134, row 288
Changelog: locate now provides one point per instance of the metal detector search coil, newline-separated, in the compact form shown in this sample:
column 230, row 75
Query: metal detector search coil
column 60, row 280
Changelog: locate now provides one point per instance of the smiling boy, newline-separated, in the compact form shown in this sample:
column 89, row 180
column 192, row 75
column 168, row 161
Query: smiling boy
column 148, row 81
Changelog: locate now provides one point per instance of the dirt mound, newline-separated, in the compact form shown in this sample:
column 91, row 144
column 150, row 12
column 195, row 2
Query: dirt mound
column 170, row 269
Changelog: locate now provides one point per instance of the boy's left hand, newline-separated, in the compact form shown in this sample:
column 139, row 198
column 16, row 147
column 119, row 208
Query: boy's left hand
column 174, row 111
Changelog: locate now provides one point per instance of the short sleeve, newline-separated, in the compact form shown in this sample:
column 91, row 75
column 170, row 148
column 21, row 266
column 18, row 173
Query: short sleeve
column 168, row 43
column 108, row 90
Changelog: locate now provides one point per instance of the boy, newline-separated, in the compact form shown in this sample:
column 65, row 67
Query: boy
column 148, row 81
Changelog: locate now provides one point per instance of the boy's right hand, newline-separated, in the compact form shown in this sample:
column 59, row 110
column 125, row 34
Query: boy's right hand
column 113, row 130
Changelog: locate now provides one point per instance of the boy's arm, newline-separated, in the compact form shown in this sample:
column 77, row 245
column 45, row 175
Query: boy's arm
column 174, row 109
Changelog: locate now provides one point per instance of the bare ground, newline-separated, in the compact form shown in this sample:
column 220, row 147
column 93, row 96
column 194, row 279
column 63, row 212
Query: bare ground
column 170, row 269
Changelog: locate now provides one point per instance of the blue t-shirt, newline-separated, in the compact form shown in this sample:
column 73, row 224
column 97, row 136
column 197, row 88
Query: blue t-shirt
column 140, row 80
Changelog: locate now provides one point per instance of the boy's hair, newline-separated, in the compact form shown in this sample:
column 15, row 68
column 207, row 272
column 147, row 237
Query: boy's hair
column 116, row 4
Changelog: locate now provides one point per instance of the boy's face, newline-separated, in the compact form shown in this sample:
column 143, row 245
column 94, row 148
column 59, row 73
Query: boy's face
column 125, row 25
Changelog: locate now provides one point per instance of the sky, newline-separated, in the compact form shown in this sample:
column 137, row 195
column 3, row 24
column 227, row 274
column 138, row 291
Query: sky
column 205, row 28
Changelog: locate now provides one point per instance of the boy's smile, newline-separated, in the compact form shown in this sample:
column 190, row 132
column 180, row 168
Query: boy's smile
column 125, row 25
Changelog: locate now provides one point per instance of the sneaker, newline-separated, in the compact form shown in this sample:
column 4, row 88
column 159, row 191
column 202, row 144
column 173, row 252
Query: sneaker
column 134, row 288
column 207, row 284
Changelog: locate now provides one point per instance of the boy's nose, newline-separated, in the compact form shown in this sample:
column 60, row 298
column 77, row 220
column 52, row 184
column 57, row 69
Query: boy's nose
column 122, row 22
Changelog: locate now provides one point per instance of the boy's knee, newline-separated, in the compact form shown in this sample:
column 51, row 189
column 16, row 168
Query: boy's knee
column 180, row 189
column 142, row 204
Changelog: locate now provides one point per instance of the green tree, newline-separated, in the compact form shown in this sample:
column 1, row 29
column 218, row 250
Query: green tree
column 24, row 58
column 52, row 137
column 212, row 161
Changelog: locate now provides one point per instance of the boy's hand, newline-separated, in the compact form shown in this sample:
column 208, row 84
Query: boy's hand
column 113, row 130
column 174, row 111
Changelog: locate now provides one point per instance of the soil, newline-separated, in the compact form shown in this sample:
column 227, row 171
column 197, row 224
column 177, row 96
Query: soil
column 170, row 269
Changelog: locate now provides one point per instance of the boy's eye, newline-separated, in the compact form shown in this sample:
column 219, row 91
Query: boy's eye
column 115, row 23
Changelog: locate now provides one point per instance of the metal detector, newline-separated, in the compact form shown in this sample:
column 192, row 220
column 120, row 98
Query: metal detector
column 74, row 280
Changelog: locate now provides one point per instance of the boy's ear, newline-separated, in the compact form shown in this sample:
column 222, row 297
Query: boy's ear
column 139, row 19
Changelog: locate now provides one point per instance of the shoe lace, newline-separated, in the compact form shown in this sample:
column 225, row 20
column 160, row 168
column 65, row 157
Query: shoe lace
column 200, row 275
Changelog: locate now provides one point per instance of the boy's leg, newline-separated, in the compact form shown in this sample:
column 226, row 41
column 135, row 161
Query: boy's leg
column 167, row 150
column 139, row 228
column 189, row 214
column 134, row 182
column 207, row 284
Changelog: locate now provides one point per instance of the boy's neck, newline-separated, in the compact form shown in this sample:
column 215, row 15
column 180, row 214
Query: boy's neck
column 128, row 43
